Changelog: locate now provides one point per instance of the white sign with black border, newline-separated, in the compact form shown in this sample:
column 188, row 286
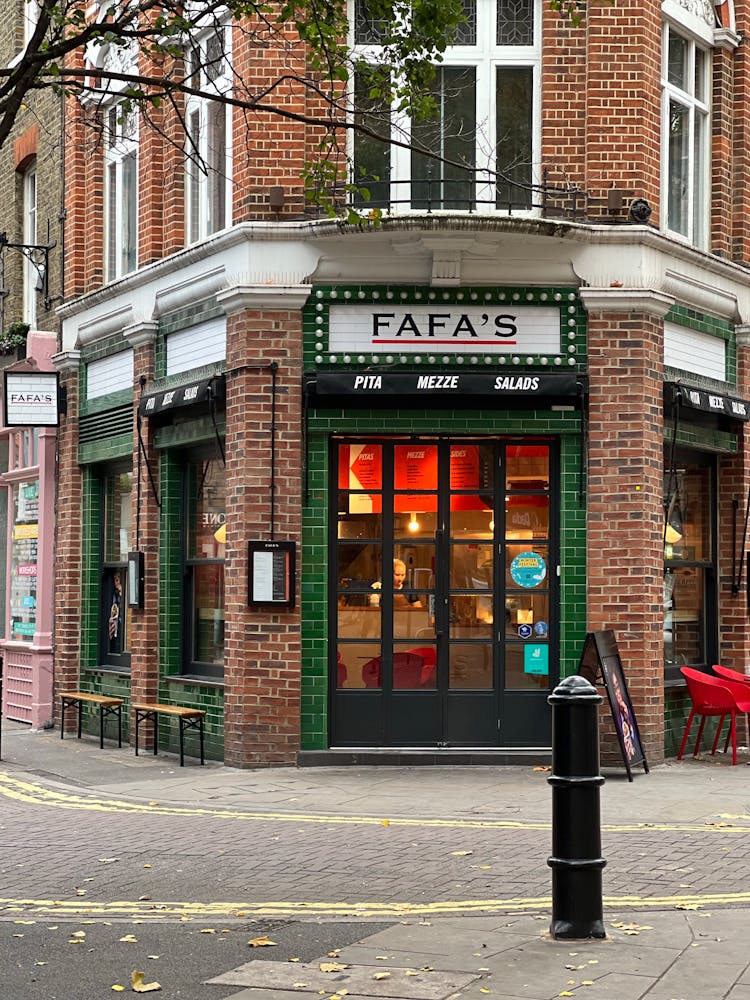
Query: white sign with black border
column 31, row 399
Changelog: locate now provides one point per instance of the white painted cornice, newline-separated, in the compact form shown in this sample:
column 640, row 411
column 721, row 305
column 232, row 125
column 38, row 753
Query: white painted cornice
column 67, row 361
column 626, row 300
column 282, row 298
column 141, row 334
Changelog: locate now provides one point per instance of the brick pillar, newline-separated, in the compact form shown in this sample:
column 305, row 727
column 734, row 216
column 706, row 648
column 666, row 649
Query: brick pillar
column 144, row 641
column 67, row 602
column 734, row 487
column 262, row 655
column 625, row 512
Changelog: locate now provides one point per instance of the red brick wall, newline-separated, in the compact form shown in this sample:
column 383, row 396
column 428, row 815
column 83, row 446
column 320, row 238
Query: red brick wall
column 144, row 622
column 625, row 507
column 263, row 649
column 67, row 611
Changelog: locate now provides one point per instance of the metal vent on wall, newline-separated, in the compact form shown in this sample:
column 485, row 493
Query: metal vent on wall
column 105, row 425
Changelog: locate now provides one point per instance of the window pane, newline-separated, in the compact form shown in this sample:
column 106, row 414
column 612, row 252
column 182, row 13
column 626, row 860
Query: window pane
column 116, row 611
column 414, row 669
column 358, row 665
column 117, row 517
column 677, row 61
column 193, row 172
column 359, row 567
column 415, row 467
column 208, row 612
column 701, row 75
column 466, row 32
column 688, row 534
column 372, row 155
column 527, row 467
column 451, row 135
column 526, row 666
column 679, row 166
column 700, row 150
column 129, row 212
column 207, row 509
column 111, row 221
column 367, row 30
column 470, row 666
column 515, row 22
column 684, row 616
column 514, row 105
column 217, row 165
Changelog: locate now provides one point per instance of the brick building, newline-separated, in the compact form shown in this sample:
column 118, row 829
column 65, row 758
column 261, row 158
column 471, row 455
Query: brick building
column 497, row 397
column 31, row 275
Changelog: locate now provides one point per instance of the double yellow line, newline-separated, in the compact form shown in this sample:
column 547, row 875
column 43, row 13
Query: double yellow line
column 32, row 794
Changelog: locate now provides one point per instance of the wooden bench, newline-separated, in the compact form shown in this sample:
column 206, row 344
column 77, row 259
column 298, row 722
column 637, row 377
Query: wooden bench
column 107, row 706
column 189, row 718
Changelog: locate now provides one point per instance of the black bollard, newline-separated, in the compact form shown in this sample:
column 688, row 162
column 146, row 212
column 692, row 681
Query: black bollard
column 576, row 860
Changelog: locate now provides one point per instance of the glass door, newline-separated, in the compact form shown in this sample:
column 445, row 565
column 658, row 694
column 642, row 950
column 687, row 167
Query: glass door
column 442, row 594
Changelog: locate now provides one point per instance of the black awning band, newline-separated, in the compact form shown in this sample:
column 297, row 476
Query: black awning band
column 707, row 401
column 200, row 391
column 502, row 385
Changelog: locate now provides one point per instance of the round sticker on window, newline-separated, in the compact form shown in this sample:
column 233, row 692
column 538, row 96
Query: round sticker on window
column 528, row 569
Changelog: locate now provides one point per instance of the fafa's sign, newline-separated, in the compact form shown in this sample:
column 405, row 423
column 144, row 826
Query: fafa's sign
column 460, row 329
column 31, row 399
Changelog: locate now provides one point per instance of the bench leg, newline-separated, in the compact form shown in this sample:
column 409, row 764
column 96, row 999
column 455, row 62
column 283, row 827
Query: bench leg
column 182, row 742
column 119, row 725
column 200, row 730
column 101, row 727
column 137, row 727
column 156, row 732
column 80, row 717
column 63, row 706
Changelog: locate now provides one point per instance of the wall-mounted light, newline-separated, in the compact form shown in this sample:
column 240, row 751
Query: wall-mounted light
column 414, row 524
column 673, row 530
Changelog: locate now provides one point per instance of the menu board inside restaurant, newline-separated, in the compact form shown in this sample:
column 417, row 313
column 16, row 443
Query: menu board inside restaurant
column 23, row 560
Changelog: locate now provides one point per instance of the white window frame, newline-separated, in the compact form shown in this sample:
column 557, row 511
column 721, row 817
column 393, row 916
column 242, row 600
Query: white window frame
column 31, row 11
column 698, row 111
column 208, row 172
column 30, row 272
column 120, row 203
column 485, row 56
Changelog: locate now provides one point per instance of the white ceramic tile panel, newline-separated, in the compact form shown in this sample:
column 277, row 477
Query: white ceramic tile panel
column 197, row 345
column 695, row 352
column 109, row 374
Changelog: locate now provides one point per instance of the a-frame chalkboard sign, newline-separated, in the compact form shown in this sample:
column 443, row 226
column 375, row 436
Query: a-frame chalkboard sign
column 600, row 664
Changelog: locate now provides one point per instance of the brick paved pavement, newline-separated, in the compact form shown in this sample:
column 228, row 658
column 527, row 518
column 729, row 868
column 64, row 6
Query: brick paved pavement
column 216, row 836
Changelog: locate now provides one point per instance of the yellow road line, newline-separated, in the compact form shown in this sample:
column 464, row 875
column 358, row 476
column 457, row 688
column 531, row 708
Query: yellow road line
column 24, row 791
column 154, row 911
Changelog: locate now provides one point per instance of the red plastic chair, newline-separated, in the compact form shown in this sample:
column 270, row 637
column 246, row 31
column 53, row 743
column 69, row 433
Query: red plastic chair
column 739, row 685
column 371, row 673
column 407, row 670
column 712, row 696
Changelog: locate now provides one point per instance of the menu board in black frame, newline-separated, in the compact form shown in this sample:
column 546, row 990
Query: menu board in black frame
column 600, row 663
column 271, row 574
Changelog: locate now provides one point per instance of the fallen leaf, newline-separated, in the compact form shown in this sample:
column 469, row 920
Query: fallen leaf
column 412, row 972
column 483, row 989
column 129, row 939
column 299, row 986
column 545, row 768
column 207, row 930
column 259, row 942
column 24, row 921
column 147, row 866
column 117, row 988
column 107, row 861
column 382, row 975
column 687, row 906
column 141, row 898
column 153, row 803
column 153, row 956
column 332, row 967
column 385, row 822
column 293, row 960
column 80, row 892
column 587, row 982
column 78, row 934
column 460, row 854
column 18, row 935
column 138, row 986
column 40, row 963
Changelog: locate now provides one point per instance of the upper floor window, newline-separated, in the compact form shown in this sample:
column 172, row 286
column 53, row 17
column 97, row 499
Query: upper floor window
column 686, row 80
column 31, row 275
column 121, row 190
column 208, row 140
column 30, row 18
column 480, row 147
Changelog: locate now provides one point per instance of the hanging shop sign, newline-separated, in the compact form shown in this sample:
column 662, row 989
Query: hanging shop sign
column 271, row 579
column 504, row 384
column 31, row 399
column 459, row 329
